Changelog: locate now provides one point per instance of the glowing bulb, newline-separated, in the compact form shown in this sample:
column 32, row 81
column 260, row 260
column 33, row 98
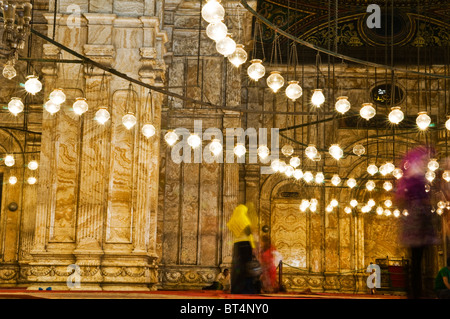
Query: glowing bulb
column 80, row 106
column 216, row 147
column 396, row 115
column 441, row 204
column 347, row 210
column 216, row 31
column 447, row 123
column 226, row 46
column 367, row 111
column 289, row 171
column 308, row 177
column 213, row 11
column 12, row 180
column 439, row 211
column 102, row 115
column 365, row 209
column 351, row 182
column 287, row 150
column 275, row 165
column 148, row 130
column 256, row 70
column 372, row 169
column 294, row 90
column 314, row 202
column 311, row 151
column 57, row 96
column 387, row 212
column 433, row 165
column 342, row 104
column 9, row 71
column 388, row 203
column 389, row 167
column 430, row 175
column 15, row 106
column 380, row 210
column 423, row 120
column 129, row 120
column 33, row 165
column 397, row 173
column 171, row 137
column 282, row 167
column 33, row 85
column 318, row 98
column 329, row 208
column 405, row 212
column 298, row 174
column 359, row 150
column 336, row 151
column 194, row 140
column 383, row 170
column 31, row 180
column 353, row 203
column 446, row 176
column 275, row 81
column 313, row 208
column 9, row 160
column 294, row 161
column 319, row 178
column 396, row 213
column 335, row 180
column 370, row 186
column 371, row 202
column 239, row 56
column 334, row 202
column 387, row 186
column 263, row 152
column 239, row 150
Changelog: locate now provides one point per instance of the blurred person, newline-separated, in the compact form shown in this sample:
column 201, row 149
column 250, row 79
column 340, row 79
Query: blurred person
column 441, row 283
column 417, row 231
column 270, row 258
column 245, row 270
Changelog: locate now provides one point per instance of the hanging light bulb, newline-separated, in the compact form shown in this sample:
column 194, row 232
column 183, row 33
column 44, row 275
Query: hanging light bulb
column 216, row 147
column 313, row 208
column 311, row 151
column 319, row 178
column 12, row 180
column 298, row 174
column 371, row 202
column 308, row 177
column 396, row 115
column 275, row 81
column 329, row 208
column 318, row 98
column 397, row 173
column 256, row 70
column 367, row 111
column 216, row 31
column 239, row 56
column 359, row 150
column 80, row 105
column 171, row 137
column 148, row 130
column 370, row 186
column 380, row 210
column 282, row 167
column 15, row 106
column 335, row 180
column 351, row 182
column 294, row 90
column 441, row 204
column 334, row 202
column 33, row 85
column 275, row 165
column 387, row 212
column 294, row 162
column 336, row 151
column 447, row 123
column 194, row 140
column 226, row 46
column 129, row 120
column 51, row 107
column 317, row 158
column 9, row 71
column 388, row 203
column 372, row 169
column 405, row 212
column 439, row 211
column 102, row 115
column 289, row 171
column 9, row 160
column 353, row 203
column 389, row 167
column 347, row 210
column 423, row 120
column 365, row 209
column 314, row 202
column 446, row 176
column 57, row 96
column 33, row 165
column 304, row 205
column 387, row 186
column 32, row 180
column 263, row 152
column 383, row 170
column 342, row 104
column 287, row 150
column 430, row 175
column 213, row 11
column 396, row 213
column 433, row 165
column 239, row 150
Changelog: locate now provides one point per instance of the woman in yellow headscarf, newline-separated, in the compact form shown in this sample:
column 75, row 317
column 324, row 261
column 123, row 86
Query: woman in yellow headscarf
column 244, row 271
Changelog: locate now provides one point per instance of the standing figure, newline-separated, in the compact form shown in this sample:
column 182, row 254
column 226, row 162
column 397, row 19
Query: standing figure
column 244, row 271
column 269, row 261
column 417, row 230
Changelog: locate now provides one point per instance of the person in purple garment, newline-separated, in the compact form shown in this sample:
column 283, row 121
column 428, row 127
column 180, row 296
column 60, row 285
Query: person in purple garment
column 417, row 230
